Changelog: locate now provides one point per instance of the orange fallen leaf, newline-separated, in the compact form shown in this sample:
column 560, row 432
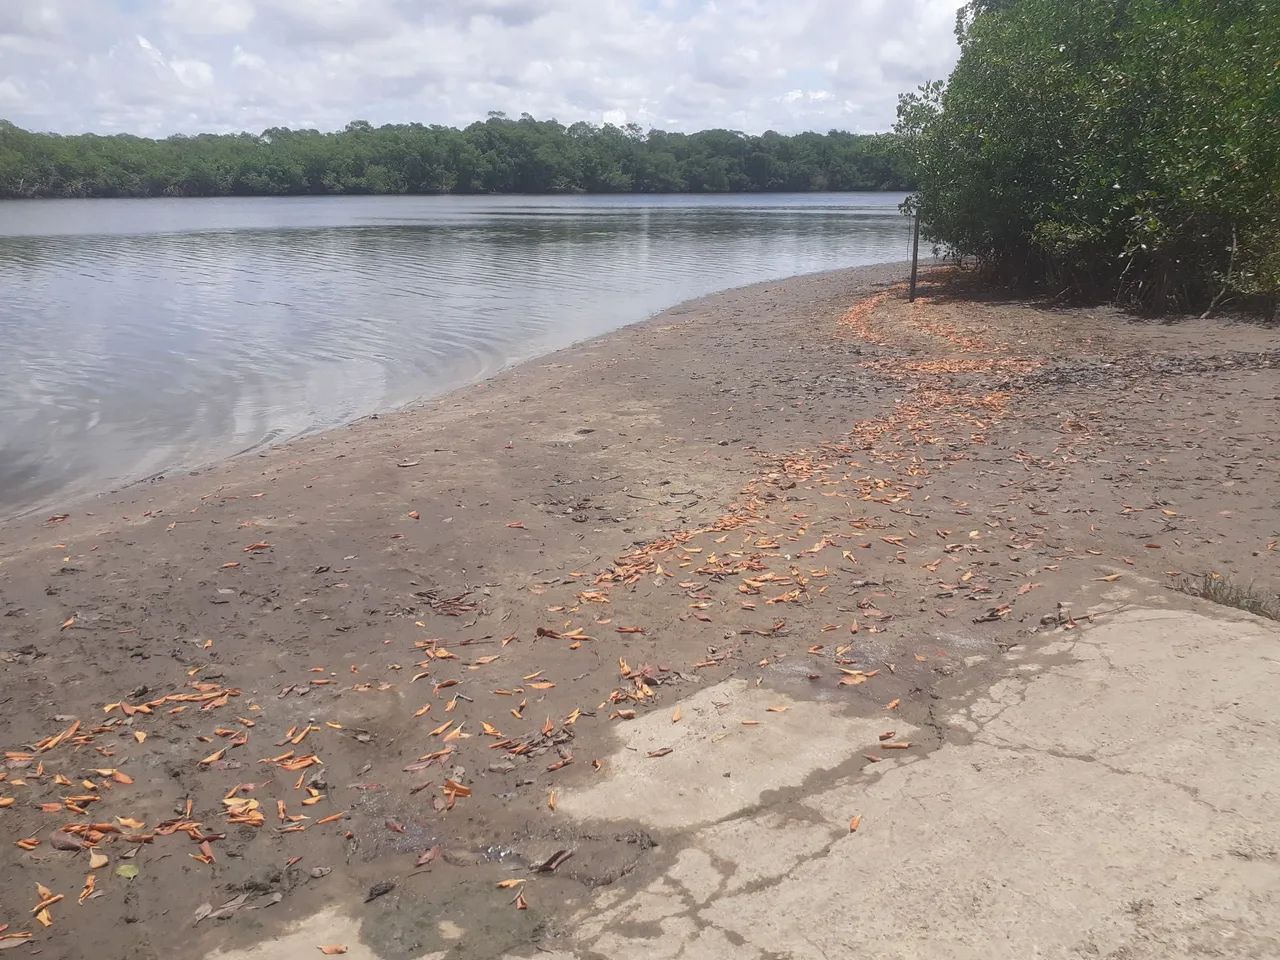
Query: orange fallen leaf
column 893, row 704
column 231, row 565
column 414, row 515
column 509, row 884
column 67, row 623
column 551, row 801
column 775, row 709
column 855, row 823
column 30, row 843
column 47, row 902
column 521, row 903
column 675, row 715
column 87, row 892
column 213, row 757
column 333, row 949
column 255, row 547
column 456, row 789
column 516, row 525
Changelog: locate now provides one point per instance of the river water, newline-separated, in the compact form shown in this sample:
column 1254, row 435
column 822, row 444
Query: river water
column 138, row 336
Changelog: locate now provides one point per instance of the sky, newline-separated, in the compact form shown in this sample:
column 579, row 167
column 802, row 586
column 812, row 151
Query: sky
column 157, row 67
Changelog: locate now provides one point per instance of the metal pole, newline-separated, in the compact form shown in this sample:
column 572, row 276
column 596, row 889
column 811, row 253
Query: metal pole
column 915, row 259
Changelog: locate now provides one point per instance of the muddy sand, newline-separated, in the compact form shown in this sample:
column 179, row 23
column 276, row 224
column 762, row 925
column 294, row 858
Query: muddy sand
column 421, row 686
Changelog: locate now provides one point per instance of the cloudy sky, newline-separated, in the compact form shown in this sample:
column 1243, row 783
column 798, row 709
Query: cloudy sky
column 157, row 67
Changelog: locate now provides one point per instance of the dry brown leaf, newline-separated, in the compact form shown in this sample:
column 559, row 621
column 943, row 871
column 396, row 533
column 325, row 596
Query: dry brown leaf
column 855, row 823
column 509, row 884
column 332, row 949
column 675, row 715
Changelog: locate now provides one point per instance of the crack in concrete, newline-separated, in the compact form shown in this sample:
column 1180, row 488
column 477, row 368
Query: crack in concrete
column 1190, row 791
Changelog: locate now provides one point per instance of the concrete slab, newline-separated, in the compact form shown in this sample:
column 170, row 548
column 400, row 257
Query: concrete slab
column 303, row 940
column 734, row 743
column 1125, row 804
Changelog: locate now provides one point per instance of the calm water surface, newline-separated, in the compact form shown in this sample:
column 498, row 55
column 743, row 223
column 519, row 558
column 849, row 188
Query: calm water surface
column 142, row 335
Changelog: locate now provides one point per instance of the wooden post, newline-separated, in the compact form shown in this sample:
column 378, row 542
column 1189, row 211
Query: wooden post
column 915, row 259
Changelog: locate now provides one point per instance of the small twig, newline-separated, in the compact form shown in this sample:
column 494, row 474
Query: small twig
column 1226, row 283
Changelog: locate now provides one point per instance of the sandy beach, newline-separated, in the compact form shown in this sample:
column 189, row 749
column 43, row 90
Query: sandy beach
column 460, row 679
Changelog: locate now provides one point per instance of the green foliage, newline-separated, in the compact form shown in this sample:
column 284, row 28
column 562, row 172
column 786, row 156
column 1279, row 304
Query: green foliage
column 1125, row 149
column 497, row 155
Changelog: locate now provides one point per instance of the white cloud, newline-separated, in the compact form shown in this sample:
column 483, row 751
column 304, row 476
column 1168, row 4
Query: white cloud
column 163, row 66
column 208, row 16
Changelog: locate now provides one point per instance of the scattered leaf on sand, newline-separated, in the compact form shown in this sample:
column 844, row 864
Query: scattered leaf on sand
column 98, row 860
column 520, row 902
column 675, row 715
column 1111, row 579
column 127, row 871
column 855, row 823
column 336, row 949
column 509, row 884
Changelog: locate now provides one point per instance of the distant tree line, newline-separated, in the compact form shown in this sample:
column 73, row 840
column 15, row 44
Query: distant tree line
column 497, row 155
column 1122, row 149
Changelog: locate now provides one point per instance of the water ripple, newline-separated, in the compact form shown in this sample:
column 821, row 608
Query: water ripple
column 137, row 336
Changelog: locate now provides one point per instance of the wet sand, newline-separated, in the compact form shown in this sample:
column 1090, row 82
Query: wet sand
column 369, row 675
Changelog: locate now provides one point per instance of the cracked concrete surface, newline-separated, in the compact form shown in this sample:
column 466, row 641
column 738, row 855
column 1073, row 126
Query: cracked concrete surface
column 1121, row 803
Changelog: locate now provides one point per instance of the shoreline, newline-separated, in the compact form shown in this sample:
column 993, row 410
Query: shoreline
column 55, row 505
column 795, row 552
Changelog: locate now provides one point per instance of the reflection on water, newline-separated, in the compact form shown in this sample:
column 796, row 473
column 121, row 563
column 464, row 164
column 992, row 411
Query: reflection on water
column 140, row 335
